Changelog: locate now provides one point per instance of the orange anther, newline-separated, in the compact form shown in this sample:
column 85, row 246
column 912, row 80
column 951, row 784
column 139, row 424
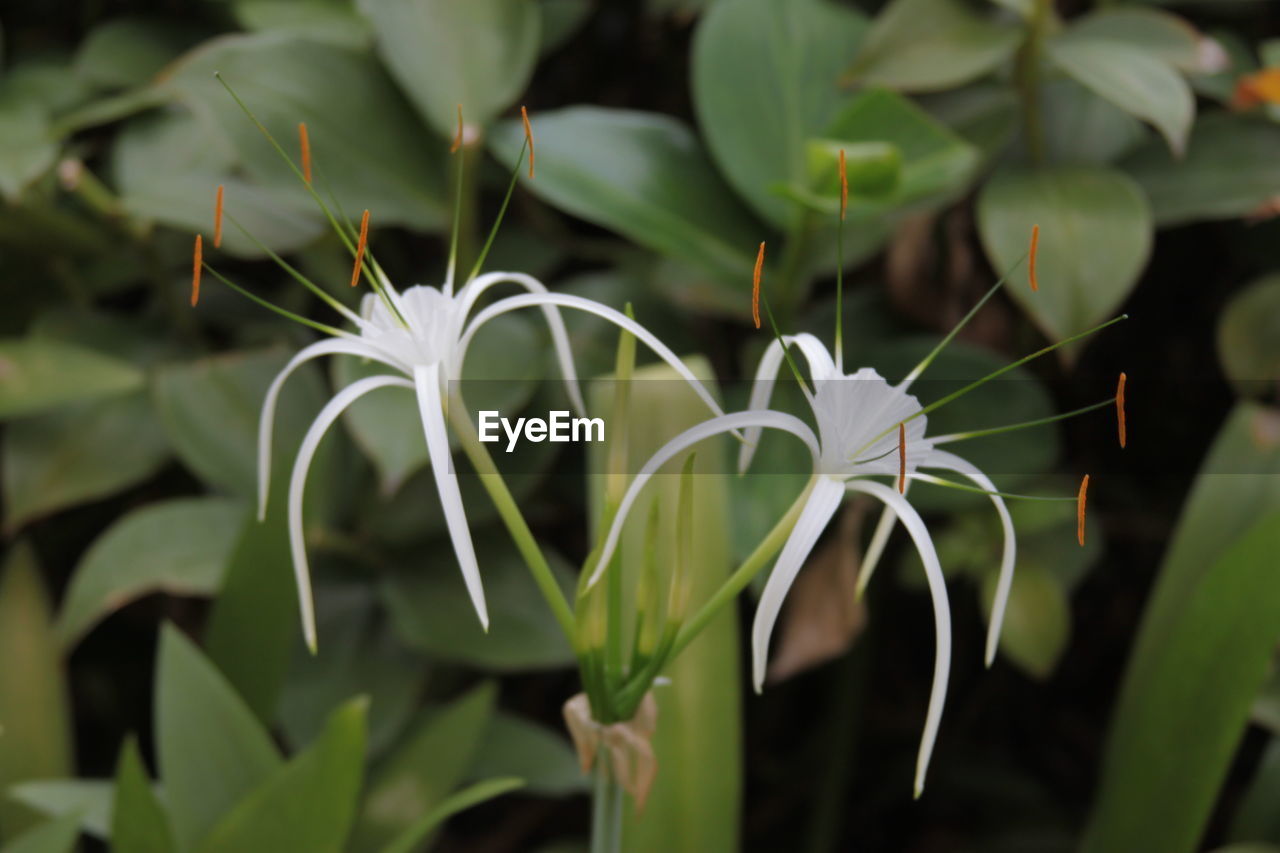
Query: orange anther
column 1081, row 499
column 457, row 139
column 304, row 142
column 196, row 266
column 1261, row 87
column 844, row 187
column 1031, row 259
column 1120, row 408
column 755, row 286
column 364, row 240
column 902, row 458
column 528, row 137
column 217, row 218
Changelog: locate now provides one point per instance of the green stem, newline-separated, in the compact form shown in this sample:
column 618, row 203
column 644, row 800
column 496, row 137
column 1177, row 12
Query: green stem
column 795, row 260
column 1028, row 78
column 606, row 808
column 511, row 516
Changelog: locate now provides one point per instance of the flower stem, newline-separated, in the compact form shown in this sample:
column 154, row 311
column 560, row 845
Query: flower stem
column 1027, row 74
column 606, row 808
column 511, row 516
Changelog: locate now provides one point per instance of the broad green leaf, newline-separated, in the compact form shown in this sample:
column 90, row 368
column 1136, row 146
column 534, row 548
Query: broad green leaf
column 34, row 708
column 1249, row 336
column 335, row 21
column 368, row 147
column 210, row 409
column 90, row 800
column 1081, row 128
column 422, row 771
column 561, row 21
column 254, row 625
column 1095, row 237
column 764, row 82
column 57, row 836
column 139, row 823
column 544, row 759
column 124, row 52
column 1131, row 78
column 308, row 805
column 984, row 114
column 1230, row 170
column 428, row 607
column 36, row 375
column 642, row 175
column 211, row 750
column 479, row 54
column 1037, row 623
column 1200, row 658
column 47, row 81
column 27, row 148
column 179, row 546
column 1160, row 34
column 76, row 454
column 411, row 838
column 1257, row 817
column 929, row 45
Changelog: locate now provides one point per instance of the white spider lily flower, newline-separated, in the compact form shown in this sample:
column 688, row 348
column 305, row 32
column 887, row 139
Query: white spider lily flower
column 858, row 418
column 423, row 334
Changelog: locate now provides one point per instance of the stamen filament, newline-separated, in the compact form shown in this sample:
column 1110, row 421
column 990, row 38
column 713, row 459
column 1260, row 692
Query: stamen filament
column 1120, row 409
column 1031, row 262
column 844, row 204
column 844, row 187
column 951, row 484
column 297, row 318
column 197, row 263
column 978, row 433
column 364, row 241
column 304, row 143
column 528, row 137
column 217, row 218
column 902, row 458
column 502, row 211
column 755, row 285
column 1081, row 499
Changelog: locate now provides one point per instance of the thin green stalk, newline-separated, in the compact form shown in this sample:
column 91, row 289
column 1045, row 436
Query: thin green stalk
column 606, row 808
column 511, row 516
column 1027, row 74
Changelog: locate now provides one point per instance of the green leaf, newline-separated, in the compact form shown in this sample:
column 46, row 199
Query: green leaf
column 561, row 21
column 642, row 175
column 1249, row 336
column 254, row 626
column 1257, row 818
column 429, row 610
column 1037, row 624
column 57, row 836
column 1131, row 78
column 211, row 750
column 929, row 45
column 544, row 759
column 421, row 772
column 1095, row 237
column 125, row 52
column 36, row 741
column 27, row 148
column 308, row 805
column 36, row 375
column 179, row 546
column 1157, row 33
column 368, row 147
column 409, row 840
column 139, row 823
column 1198, row 662
column 1081, row 128
column 334, row 21
column 74, row 455
column 1230, row 170
column 479, row 54
column 90, row 800
column 210, row 409
column 764, row 82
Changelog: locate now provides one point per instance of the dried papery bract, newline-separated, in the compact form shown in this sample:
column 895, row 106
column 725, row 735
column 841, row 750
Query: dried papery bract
column 197, row 264
column 1031, row 257
column 1082, row 500
column 1120, row 420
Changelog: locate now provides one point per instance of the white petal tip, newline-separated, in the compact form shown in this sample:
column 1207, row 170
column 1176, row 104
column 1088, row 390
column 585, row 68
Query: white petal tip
column 312, row 645
column 989, row 658
column 919, row 790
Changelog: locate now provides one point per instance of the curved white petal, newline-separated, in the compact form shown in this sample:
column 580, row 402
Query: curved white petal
column 820, row 368
column 950, row 462
column 513, row 303
column 426, row 380
column 823, row 502
column 941, row 614
column 683, row 441
column 875, row 548
column 559, row 335
column 298, row 482
column 266, row 420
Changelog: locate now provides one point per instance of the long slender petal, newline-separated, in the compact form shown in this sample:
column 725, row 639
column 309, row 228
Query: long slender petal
column 821, row 368
column 559, row 335
column 266, row 420
column 683, row 441
column 431, row 406
column 536, row 300
column 298, row 482
column 823, row 502
column 950, row 462
column 875, row 548
column 941, row 614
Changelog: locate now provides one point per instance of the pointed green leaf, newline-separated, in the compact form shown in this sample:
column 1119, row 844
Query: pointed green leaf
column 179, row 546
column 1154, row 31
column 543, row 758
column 57, row 836
column 35, row 742
column 139, row 823
column 211, row 750
column 36, row 375
column 409, row 840
column 27, row 149
column 308, row 805
column 91, row 800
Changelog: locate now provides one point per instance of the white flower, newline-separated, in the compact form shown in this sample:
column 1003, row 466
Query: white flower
column 859, row 418
column 423, row 334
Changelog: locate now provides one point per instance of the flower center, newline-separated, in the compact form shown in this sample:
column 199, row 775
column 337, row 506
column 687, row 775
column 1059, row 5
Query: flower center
column 858, row 418
column 429, row 335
